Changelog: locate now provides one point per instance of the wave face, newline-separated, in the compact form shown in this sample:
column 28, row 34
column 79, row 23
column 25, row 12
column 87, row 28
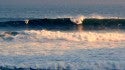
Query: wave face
column 67, row 23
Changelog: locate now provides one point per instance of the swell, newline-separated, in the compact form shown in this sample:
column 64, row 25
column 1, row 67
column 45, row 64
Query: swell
column 66, row 24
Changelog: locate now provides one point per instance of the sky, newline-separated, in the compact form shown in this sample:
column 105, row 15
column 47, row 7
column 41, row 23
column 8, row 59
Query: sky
column 59, row 2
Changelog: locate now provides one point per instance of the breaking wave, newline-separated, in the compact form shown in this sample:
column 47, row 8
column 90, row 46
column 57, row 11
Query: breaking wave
column 69, row 36
column 44, row 42
column 69, row 23
column 78, row 19
column 78, row 36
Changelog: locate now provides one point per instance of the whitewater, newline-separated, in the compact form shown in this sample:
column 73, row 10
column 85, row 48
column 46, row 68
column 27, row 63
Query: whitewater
column 76, row 38
column 45, row 49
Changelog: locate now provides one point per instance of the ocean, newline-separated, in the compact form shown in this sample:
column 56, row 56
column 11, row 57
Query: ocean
column 62, row 38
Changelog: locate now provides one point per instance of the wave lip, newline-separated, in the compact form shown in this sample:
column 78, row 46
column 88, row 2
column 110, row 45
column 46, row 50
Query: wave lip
column 78, row 19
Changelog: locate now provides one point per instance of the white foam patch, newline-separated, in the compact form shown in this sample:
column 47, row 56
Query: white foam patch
column 96, row 16
column 78, row 19
column 43, row 42
column 53, row 49
column 79, row 36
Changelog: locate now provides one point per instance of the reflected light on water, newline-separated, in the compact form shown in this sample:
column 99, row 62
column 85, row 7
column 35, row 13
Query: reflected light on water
column 80, row 28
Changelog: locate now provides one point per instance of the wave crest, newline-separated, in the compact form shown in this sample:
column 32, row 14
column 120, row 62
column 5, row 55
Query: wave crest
column 78, row 36
column 35, row 35
column 78, row 19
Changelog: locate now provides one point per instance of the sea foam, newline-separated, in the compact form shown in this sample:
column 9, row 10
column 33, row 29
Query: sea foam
column 78, row 19
column 78, row 36
column 43, row 49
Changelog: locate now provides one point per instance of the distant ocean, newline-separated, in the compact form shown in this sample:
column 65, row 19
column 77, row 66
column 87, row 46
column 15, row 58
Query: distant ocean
column 62, row 38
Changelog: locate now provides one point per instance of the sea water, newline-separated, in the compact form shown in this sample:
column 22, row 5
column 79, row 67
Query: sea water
column 62, row 39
